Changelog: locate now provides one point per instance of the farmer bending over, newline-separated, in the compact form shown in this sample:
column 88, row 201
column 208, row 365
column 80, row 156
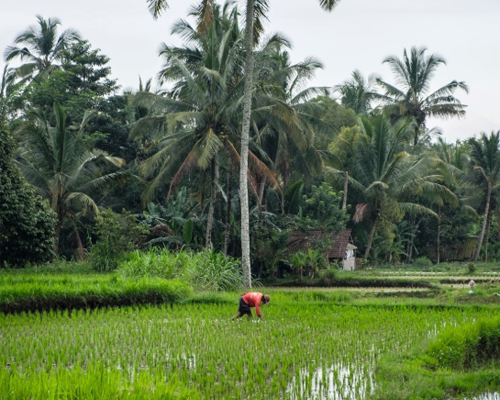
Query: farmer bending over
column 251, row 299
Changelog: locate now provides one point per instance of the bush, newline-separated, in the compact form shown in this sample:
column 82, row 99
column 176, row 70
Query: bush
column 471, row 267
column 117, row 235
column 27, row 224
column 422, row 262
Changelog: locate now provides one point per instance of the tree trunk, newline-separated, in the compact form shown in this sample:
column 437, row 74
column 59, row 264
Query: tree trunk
column 487, row 235
column 346, row 182
column 211, row 208
column 227, row 233
column 60, row 211
column 370, row 240
column 80, row 252
column 497, row 209
column 485, row 221
column 438, row 244
column 245, row 134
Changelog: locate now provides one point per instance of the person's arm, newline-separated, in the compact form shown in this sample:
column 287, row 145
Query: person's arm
column 257, row 308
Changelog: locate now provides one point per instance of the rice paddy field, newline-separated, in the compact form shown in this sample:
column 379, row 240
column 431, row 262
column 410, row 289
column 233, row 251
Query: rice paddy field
column 307, row 347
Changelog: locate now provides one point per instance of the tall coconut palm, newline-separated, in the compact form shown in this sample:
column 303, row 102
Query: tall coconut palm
column 413, row 75
column 41, row 47
column 9, row 89
column 484, row 174
column 284, row 121
column 255, row 13
column 357, row 93
column 203, row 108
column 388, row 178
column 58, row 163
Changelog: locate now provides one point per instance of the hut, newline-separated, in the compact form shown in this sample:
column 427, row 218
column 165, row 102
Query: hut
column 341, row 247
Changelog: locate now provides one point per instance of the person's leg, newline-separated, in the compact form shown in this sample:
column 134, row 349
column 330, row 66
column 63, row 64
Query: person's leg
column 249, row 315
column 239, row 315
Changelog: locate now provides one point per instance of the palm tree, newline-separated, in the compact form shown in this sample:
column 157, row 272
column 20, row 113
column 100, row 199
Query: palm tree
column 341, row 159
column 255, row 13
column 203, row 108
column 357, row 93
column 41, row 47
column 58, row 163
column 388, row 178
column 284, row 121
column 8, row 91
column 413, row 74
column 484, row 174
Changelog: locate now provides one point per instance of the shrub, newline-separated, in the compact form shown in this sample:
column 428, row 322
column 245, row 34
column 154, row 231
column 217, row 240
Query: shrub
column 117, row 235
column 422, row 262
column 471, row 267
column 27, row 224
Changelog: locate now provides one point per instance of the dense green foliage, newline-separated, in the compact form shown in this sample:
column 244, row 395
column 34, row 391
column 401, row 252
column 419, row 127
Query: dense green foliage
column 404, row 194
column 117, row 235
column 26, row 222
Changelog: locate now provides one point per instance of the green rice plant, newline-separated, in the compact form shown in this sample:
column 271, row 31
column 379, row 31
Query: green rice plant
column 462, row 360
column 90, row 383
column 466, row 347
column 37, row 293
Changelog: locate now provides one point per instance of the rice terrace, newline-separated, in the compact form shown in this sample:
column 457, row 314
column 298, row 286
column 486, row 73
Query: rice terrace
column 249, row 200
column 313, row 343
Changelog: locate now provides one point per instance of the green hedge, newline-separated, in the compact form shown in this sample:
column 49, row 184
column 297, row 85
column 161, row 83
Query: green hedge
column 27, row 293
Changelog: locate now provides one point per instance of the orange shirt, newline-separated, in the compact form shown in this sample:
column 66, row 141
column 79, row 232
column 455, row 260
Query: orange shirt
column 253, row 299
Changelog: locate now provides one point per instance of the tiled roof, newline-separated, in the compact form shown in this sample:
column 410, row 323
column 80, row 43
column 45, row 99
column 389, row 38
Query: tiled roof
column 301, row 241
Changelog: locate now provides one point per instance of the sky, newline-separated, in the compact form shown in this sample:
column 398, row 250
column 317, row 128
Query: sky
column 358, row 34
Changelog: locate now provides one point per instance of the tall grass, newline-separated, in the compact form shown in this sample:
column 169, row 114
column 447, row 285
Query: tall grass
column 207, row 270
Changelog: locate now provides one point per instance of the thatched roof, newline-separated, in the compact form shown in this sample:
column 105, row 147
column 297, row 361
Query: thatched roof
column 301, row 241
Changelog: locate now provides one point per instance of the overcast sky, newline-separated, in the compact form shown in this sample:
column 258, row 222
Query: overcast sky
column 358, row 34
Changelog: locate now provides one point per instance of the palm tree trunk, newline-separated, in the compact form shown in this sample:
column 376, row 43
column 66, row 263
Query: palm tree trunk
column 227, row 233
column 438, row 242
column 58, row 208
column 497, row 211
column 370, row 239
column 80, row 252
column 487, row 234
column 485, row 221
column 245, row 134
column 346, row 182
column 211, row 209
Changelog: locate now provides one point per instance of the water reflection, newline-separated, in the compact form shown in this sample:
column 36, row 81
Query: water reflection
column 487, row 396
column 338, row 382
